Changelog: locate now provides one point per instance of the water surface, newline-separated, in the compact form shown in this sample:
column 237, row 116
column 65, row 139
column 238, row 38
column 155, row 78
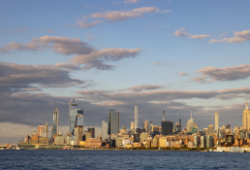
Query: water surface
column 78, row 159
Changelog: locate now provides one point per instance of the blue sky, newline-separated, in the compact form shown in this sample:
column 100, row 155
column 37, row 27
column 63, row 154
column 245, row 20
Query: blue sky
column 172, row 47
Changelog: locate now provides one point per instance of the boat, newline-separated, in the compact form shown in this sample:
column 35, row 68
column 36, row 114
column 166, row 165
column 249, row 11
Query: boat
column 218, row 150
column 237, row 150
column 17, row 148
column 1, row 148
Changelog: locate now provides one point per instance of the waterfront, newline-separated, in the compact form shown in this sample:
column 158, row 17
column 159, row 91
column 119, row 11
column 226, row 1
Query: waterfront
column 90, row 159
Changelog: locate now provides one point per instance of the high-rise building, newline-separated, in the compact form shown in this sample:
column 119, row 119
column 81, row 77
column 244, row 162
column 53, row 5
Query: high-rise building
column 150, row 125
column 190, row 124
column 78, row 134
column 40, row 129
column 246, row 118
column 114, row 122
column 205, row 131
column 146, row 126
column 132, row 126
column 104, row 130
column 136, row 117
column 210, row 129
column 92, row 129
column 163, row 115
column 74, row 115
column 167, row 128
column 196, row 141
column 209, row 141
column 55, row 121
column 216, row 125
column 203, row 142
column 236, row 130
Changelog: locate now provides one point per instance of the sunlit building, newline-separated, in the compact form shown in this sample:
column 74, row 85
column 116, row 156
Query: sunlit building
column 246, row 118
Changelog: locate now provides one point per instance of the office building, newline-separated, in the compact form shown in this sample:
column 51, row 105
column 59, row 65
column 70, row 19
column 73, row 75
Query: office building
column 166, row 127
column 216, row 123
column 146, row 126
column 55, row 124
column 236, row 130
column 136, row 117
column 132, row 126
column 203, row 142
column 246, row 118
column 104, row 130
column 163, row 115
column 114, row 122
column 155, row 129
column 40, row 129
column 92, row 129
column 190, row 124
column 209, row 141
column 136, row 137
column 74, row 116
column 78, row 134
column 196, row 141
column 210, row 129
column 143, row 137
column 205, row 131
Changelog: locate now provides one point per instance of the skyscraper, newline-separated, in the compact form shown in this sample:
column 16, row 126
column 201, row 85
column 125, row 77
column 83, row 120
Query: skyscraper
column 136, row 117
column 55, row 121
column 104, row 130
column 246, row 118
column 132, row 126
column 216, row 125
column 190, row 124
column 146, row 126
column 163, row 115
column 210, row 129
column 114, row 122
column 78, row 134
column 74, row 115
column 166, row 127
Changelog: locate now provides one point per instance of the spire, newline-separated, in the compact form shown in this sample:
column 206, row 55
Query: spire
column 246, row 105
column 191, row 114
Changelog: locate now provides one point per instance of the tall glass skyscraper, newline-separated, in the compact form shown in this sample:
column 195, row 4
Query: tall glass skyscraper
column 55, row 124
column 73, row 118
column 114, row 122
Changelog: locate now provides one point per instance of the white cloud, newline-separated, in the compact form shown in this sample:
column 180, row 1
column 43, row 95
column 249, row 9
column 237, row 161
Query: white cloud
column 114, row 16
column 181, row 33
column 239, row 36
column 96, row 59
column 61, row 45
column 210, row 74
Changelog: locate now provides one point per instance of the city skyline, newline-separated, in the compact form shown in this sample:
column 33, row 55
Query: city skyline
column 157, row 55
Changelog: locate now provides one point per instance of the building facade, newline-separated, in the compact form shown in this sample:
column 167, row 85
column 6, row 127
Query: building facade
column 78, row 134
column 104, row 130
column 216, row 123
column 246, row 118
column 136, row 117
column 75, row 114
column 114, row 122
column 55, row 124
column 167, row 127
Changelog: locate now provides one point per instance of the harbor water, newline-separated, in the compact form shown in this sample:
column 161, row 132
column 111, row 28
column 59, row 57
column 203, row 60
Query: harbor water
column 112, row 159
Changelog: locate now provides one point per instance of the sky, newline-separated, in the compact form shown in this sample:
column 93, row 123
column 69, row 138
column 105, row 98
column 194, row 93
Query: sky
column 172, row 55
